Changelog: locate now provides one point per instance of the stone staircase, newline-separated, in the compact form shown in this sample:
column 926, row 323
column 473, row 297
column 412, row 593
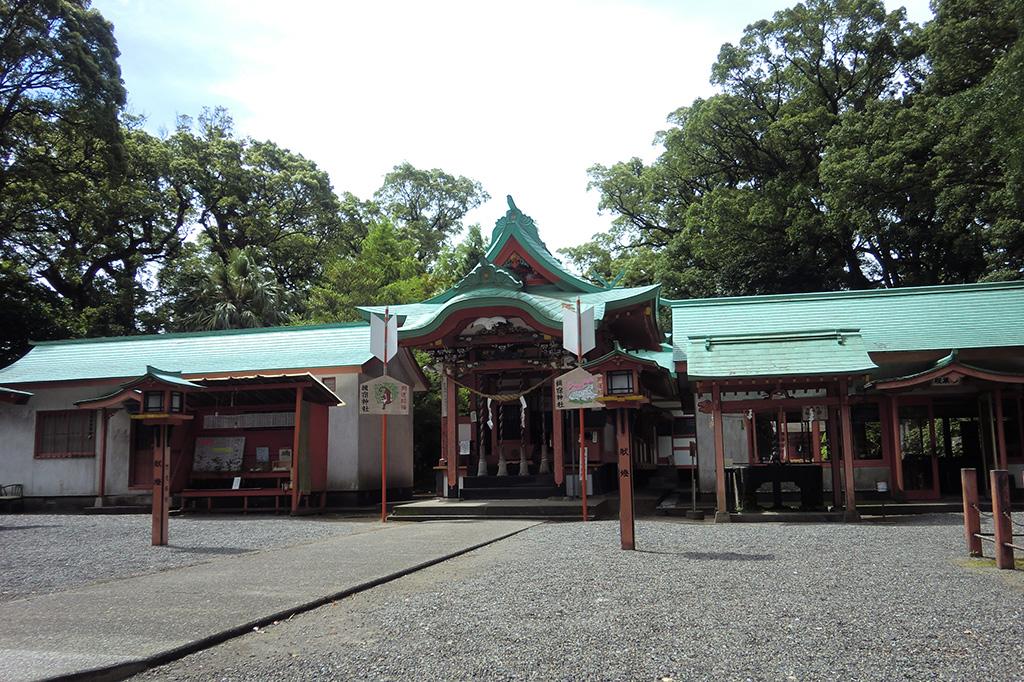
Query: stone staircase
column 535, row 487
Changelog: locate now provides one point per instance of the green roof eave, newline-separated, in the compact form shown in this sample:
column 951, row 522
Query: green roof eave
column 15, row 396
column 418, row 319
column 807, row 353
column 264, row 349
column 659, row 360
column 163, row 377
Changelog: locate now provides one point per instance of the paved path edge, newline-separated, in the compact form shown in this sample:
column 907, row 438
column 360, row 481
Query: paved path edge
column 121, row 671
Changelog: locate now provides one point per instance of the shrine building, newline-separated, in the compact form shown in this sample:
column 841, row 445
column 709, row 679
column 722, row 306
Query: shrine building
column 258, row 418
column 815, row 400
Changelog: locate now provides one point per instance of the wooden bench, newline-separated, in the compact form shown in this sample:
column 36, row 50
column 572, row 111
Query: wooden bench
column 12, row 494
column 244, row 493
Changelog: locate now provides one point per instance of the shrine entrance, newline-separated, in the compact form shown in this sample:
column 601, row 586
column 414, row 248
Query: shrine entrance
column 495, row 338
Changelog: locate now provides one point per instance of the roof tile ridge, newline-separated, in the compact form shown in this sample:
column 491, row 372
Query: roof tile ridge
column 846, row 294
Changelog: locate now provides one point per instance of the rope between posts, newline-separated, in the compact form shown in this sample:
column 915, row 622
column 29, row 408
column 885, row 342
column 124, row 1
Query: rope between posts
column 982, row 513
column 1009, row 515
column 501, row 397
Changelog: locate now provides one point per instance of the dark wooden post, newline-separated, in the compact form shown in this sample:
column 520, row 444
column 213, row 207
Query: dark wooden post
column 997, row 396
column 815, row 440
column 850, row 513
column 451, row 429
column 296, row 436
column 721, row 505
column 1000, row 479
column 972, row 515
column 627, row 528
column 161, row 485
column 557, row 439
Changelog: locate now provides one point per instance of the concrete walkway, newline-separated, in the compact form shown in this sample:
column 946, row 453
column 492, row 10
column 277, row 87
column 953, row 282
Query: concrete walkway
column 123, row 626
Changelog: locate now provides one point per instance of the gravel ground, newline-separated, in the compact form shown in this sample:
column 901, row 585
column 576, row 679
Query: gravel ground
column 871, row 601
column 42, row 553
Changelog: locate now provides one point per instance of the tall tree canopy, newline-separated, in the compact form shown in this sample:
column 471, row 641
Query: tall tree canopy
column 58, row 60
column 254, row 194
column 843, row 150
column 428, row 205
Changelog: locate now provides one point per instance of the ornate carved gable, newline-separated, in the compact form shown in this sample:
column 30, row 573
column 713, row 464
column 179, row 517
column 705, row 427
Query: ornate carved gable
column 487, row 274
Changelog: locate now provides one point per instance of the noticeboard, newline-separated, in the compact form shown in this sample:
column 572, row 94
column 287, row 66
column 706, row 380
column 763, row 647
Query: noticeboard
column 383, row 395
column 579, row 389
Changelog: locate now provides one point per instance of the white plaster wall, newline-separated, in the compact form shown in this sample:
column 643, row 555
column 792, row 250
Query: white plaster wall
column 400, row 446
column 118, row 451
column 343, row 436
column 59, row 477
column 354, row 441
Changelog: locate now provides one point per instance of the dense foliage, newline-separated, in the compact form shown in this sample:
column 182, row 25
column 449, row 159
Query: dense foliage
column 846, row 148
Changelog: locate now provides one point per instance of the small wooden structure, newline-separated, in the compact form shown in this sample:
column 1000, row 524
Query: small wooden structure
column 211, row 438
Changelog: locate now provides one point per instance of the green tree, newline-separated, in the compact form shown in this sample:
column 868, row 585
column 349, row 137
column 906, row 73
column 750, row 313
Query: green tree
column 428, row 205
column 58, row 59
column 255, row 195
column 385, row 271
column 846, row 148
column 455, row 261
column 91, row 229
column 239, row 293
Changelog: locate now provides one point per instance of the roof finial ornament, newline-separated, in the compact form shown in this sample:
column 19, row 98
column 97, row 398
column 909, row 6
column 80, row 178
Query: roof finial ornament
column 511, row 204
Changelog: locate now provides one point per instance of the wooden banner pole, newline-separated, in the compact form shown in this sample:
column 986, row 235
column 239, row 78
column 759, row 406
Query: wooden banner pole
column 384, row 435
column 579, row 363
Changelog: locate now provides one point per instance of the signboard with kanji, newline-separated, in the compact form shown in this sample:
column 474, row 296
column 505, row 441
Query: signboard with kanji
column 384, row 395
column 579, row 389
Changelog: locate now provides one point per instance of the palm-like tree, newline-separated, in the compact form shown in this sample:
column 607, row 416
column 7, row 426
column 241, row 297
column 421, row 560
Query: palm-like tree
column 236, row 294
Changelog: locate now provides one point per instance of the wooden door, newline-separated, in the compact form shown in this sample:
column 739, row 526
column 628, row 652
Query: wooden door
column 140, row 461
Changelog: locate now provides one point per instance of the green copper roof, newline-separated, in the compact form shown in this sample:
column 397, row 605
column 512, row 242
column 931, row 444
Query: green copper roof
column 662, row 357
column 813, row 352
column 516, row 224
column 917, row 318
column 545, row 305
column 239, row 350
column 164, row 377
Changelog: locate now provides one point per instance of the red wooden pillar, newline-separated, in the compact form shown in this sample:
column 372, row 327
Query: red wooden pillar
column 972, row 515
column 627, row 528
column 1000, row 480
column 161, row 485
column 847, row 427
column 296, row 434
column 896, row 445
column 815, row 440
column 451, row 429
column 997, row 396
column 557, row 439
column 783, row 434
column 721, row 503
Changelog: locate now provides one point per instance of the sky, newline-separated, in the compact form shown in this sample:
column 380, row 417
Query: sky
column 522, row 96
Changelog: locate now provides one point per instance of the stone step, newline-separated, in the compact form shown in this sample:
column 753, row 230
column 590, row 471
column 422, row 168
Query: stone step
column 519, row 492
column 478, row 482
